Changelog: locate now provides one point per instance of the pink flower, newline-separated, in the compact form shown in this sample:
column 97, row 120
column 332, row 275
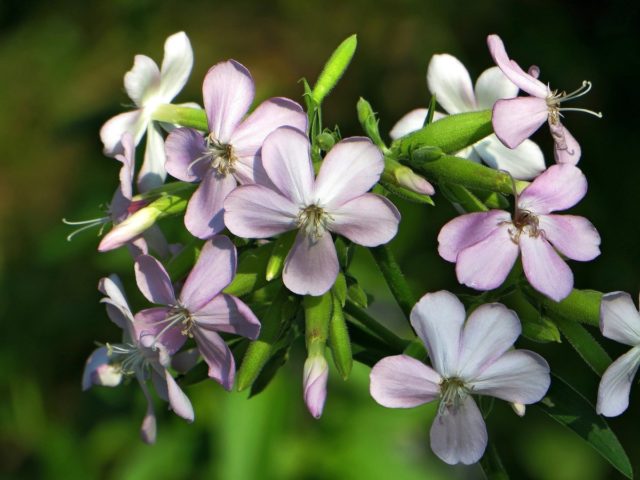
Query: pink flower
column 468, row 358
column 336, row 201
column 485, row 245
column 230, row 153
column 516, row 119
column 315, row 376
column 619, row 321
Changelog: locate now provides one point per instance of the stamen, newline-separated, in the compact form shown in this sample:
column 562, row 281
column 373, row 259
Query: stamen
column 86, row 225
column 453, row 393
column 314, row 221
column 583, row 110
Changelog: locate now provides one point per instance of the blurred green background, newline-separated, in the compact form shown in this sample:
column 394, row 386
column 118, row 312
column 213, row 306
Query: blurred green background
column 62, row 64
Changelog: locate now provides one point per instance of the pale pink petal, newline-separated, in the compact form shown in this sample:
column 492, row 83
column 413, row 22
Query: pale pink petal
column 403, row 382
column 615, row 385
column 412, row 121
column 523, row 80
column 177, row 399
column 491, row 86
column 489, row 332
column 619, row 318
column 369, row 220
column 518, row 376
column 153, row 281
column 97, row 370
column 459, row 435
column 566, row 148
column 544, row 268
column 311, row 267
column 204, row 217
column 128, row 159
column 524, row 162
column 351, row 168
column 143, row 80
column 150, row 329
column 184, row 147
column 228, row 91
column 254, row 211
column 112, row 131
column 448, row 80
column 515, row 119
column 176, row 65
column 214, row 350
column 314, row 384
column 574, row 237
column 486, row 264
column 438, row 319
column 152, row 172
column 560, row 187
column 466, row 230
column 226, row 313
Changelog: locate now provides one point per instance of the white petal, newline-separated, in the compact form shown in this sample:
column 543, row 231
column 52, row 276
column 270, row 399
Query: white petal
column 152, row 173
column 619, row 318
column 613, row 392
column 449, row 81
column 412, row 121
column 176, row 65
column 524, row 162
column 491, row 86
column 143, row 80
column 111, row 132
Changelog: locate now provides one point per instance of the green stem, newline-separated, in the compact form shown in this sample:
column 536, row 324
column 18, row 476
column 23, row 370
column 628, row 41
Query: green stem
column 395, row 279
column 183, row 116
column 372, row 324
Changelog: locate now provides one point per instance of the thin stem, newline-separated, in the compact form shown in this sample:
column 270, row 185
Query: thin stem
column 394, row 278
column 372, row 324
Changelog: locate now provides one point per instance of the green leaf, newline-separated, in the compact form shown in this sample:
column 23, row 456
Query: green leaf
column 250, row 275
column 281, row 247
column 355, row 292
column 463, row 197
column 183, row 116
column 580, row 306
column 568, row 407
column 339, row 339
column 584, row 343
column 492, row 464
column 268, row 372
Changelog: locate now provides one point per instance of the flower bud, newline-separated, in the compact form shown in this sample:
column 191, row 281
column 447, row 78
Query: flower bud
column 129, row 229
column 316, row 373
column 410, row 180
column 334, row 68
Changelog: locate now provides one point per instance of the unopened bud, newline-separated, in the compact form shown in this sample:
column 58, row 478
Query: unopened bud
column 410, row 180
column 129, row 229
column 316, row 373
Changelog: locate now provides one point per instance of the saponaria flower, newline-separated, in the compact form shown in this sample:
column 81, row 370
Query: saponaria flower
column 472, row 358
column 336, row 201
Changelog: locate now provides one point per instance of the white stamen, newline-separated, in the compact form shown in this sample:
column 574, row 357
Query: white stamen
column 313, row 221
column 86, row 225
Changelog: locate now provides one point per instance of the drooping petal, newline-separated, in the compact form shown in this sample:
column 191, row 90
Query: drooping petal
column 412, row 121
column 524, row 162
column 204, row 217
column 228, row 91
column 311, row 267
column 314, row 384
column 546, row 271
column 459, row 435
column 619, row 318
column 226, row 313
column 369, row 220
column 491, row 86
column 448, row 80
column 151, row 327
column 128, row 160
column 214, row 350
column 184, row 147
column 574, row 237
column 97, row 370
column 152, row 172
column 518, row 376
column 560, row 187
column 489, row 332
column 148, row 428
column 153, row 281
column 614, row 388
column 401, row 381
column 486, row 264
column 286, row 157
column 113, row 129
column 515, row 119
column 566, row 148
column 176, row 65
column 143, row 80
column 254, row 211
column 350, row 169
column 179, row 402
column 117, row 304
column 512, row 70
column 213, row 271
column 466, row 230
column 437, row 319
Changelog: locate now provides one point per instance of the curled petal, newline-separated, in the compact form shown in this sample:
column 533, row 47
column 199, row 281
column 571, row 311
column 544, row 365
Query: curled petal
column 112, row 131
column 128, row 160
column 544, row 268
column 619, row 318
column 369, row 220
column 143, row 80
column 403, row 382
column 560, row 187
column 449, row 82
column 491, row 86
column 311, row 267
column 524, row 162
column 614, row 388
column 574, row 237
column 176, row 65
column 515, row 119
column 566, row 148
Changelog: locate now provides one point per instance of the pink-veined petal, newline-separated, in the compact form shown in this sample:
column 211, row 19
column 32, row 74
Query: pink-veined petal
column 491, row 86
column 438, row 319
column 350, row 169
column 311, row 267
column 152, row 172
column 151, row 328
column 226, row 313
column 619, row 318
column 401, row 381
column 204, row 217
column 143, row 80
column 369, row 220
column 228, row 91
column 176, row 65
column 179, row 402
column 560, row 187
column 574, row 237
column 524, row 162
column 546, row 271
column 412, row 121
column 222, row 366
column 153, row 281
column 254, row 211
column 566, row 148
column 615, row 385
column 448, row 80
column 515, row 119
column 184, row 147
column 113, row 129
column 459, row 435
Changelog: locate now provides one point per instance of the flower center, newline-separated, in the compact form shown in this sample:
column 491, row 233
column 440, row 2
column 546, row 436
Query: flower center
column 453, row 392
column 313, row 221
column 526, row 222
column 223, row 158
column 179, row 314
column 555, row 98
column 128, row 359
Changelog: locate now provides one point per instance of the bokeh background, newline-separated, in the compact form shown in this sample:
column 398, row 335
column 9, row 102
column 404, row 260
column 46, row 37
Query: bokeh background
column 62, row 64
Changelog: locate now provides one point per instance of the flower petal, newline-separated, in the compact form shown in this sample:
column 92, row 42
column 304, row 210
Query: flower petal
column 176, row 65
column 222, row 366
column 152, row 173
column 401, row 381
column 128, row 159
column 437, row 319
column 311, row 267
column 448, row 80
column 566, row 148
column 184, row 147
column 560, row 187
column 228, row 91
column 351, row 168
column 515, row 119
column 524, row 162
column 412, row 121
column 204, row 217
column 314, row 384
column 544, row 268
column 97, row 370
column 116, row 301
column 254, row 211
column 619, row 318
column 153, row 281
column 179, row 402
column 574, row 237
column 150, row 329
column 148, row 428
column 226, row 313
column 615, row 386
column 491, row 86
column 113, row 129
column 459, row 435
column 143, row 80
column 369, row 220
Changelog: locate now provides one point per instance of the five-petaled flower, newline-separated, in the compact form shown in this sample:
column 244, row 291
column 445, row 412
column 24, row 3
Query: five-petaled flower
column 468, row 358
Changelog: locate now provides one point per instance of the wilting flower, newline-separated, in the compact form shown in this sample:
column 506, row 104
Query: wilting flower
column 619, row 321
column 136, row 356
column 150, row 87
column 230, row 153
column 449, row 82
column 201, row 310
column 336, row 201
column 468, row 358
column 485, row 245
column 515, row 119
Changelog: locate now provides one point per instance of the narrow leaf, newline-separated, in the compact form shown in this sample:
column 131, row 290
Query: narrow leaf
column 584, row 343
